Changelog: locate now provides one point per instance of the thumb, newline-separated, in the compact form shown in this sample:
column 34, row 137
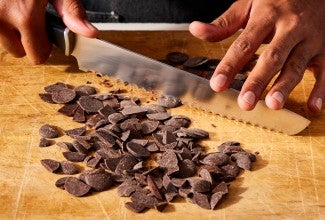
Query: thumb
column 74, row 17
column 224, row 26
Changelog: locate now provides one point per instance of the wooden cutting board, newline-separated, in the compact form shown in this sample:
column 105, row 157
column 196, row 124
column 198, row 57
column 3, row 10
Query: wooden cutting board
column 287, row 181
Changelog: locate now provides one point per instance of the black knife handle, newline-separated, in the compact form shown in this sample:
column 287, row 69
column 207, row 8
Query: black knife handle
column 59, row 34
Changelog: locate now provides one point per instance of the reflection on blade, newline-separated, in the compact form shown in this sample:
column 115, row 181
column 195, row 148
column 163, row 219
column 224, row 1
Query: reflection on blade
column 105, row 58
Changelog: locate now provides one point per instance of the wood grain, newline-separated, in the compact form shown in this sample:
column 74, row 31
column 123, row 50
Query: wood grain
column 287, row 181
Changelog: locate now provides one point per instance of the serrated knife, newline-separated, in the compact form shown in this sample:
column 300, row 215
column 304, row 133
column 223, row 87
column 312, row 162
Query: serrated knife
column 105, row 58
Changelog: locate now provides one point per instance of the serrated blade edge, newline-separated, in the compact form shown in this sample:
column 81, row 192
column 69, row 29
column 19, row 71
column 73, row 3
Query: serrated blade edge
column 102, row 57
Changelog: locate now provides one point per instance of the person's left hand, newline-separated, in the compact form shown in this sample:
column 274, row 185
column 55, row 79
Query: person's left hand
column 295, row 30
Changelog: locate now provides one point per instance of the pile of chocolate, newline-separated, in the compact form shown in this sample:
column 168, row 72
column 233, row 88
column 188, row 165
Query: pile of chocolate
column 145, row 152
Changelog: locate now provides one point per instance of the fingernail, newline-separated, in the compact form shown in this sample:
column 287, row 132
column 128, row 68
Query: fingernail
column 319, row 103
column 249, row 97
column 219, row 81
column 89, row 25
column 278, row 96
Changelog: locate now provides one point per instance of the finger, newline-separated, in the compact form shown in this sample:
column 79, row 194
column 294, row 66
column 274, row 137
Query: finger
column 73, row 15
column 268, row 65
column 291, row 74
column 225, row 25
column 239, row 53
column 317, row 95
column 10, row 41
column 34, row 37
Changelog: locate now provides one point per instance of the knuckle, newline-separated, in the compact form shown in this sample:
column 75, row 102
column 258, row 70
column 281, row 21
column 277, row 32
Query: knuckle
column 226, row 68
column 242, row 45
column 256, row 84
column 221, row 21
column 274, row 57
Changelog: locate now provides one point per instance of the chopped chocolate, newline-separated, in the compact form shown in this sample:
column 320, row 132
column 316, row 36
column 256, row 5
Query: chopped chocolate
column 76, row 187
column 99, row 181
column 85, row 90
column 74, row 156
column 69, row 109
column 46, row 97
column 177, row 57
column 244, row 160
column 89, row 104
column 63, row 95
column 169, row 101
column 50, row 165
column 44, row 142
column 195, row 62
column 76, row 131
column 61, row 182
column 68, row 167
column 135, row 207
column 153, row 188
column 160, row 116
column 49, row 131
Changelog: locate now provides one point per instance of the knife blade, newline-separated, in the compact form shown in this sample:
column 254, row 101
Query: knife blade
column 102, row 57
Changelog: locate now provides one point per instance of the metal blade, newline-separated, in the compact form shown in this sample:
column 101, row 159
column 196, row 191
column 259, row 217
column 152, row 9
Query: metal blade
column 105, row 58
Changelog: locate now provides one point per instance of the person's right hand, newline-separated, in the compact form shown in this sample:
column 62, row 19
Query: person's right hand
column 23, row 27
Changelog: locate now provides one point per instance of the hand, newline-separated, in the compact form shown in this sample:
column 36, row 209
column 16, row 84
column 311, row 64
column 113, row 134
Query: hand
column 295, row 31
column 23, row 28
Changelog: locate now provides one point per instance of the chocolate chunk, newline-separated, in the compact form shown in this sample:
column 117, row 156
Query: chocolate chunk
column 170, row 161
column 99, row 181
column 160, row 116
column 76, row 131
column 69, row 109
column 66, row 145
column 89, row 104
column 230, row 147
column 135, row 207
column 187, row 168
column 177, row 57
column 215, row 199
column 63, row 95
column 194, row 132
column 200, row 185
column 127, row 188
column 169, row 101
column 69, row 168
column 143, row 198
column 46, row 97
column 244, row 160
column 61, row 182
column 160, row 206
column 79, row 115
column 195, row 62
column 148, row 126
column 85, row 90
column 231, row 171
column 132, row 110
column 137, row 150
column 55, row 87
column 49, row 131
column 76, row 187
column 74, row 156
column 153, row 188
column 215, row 159
column 201, row 200
column 178, row 121
column 106, row 111
column 206, row 175
column 154, row 108
column 126, row 163
column 50, row 165
column 44, row 142
column 116, row 117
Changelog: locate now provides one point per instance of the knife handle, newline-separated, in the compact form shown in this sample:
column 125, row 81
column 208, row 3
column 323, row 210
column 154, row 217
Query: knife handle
column 59, row 34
